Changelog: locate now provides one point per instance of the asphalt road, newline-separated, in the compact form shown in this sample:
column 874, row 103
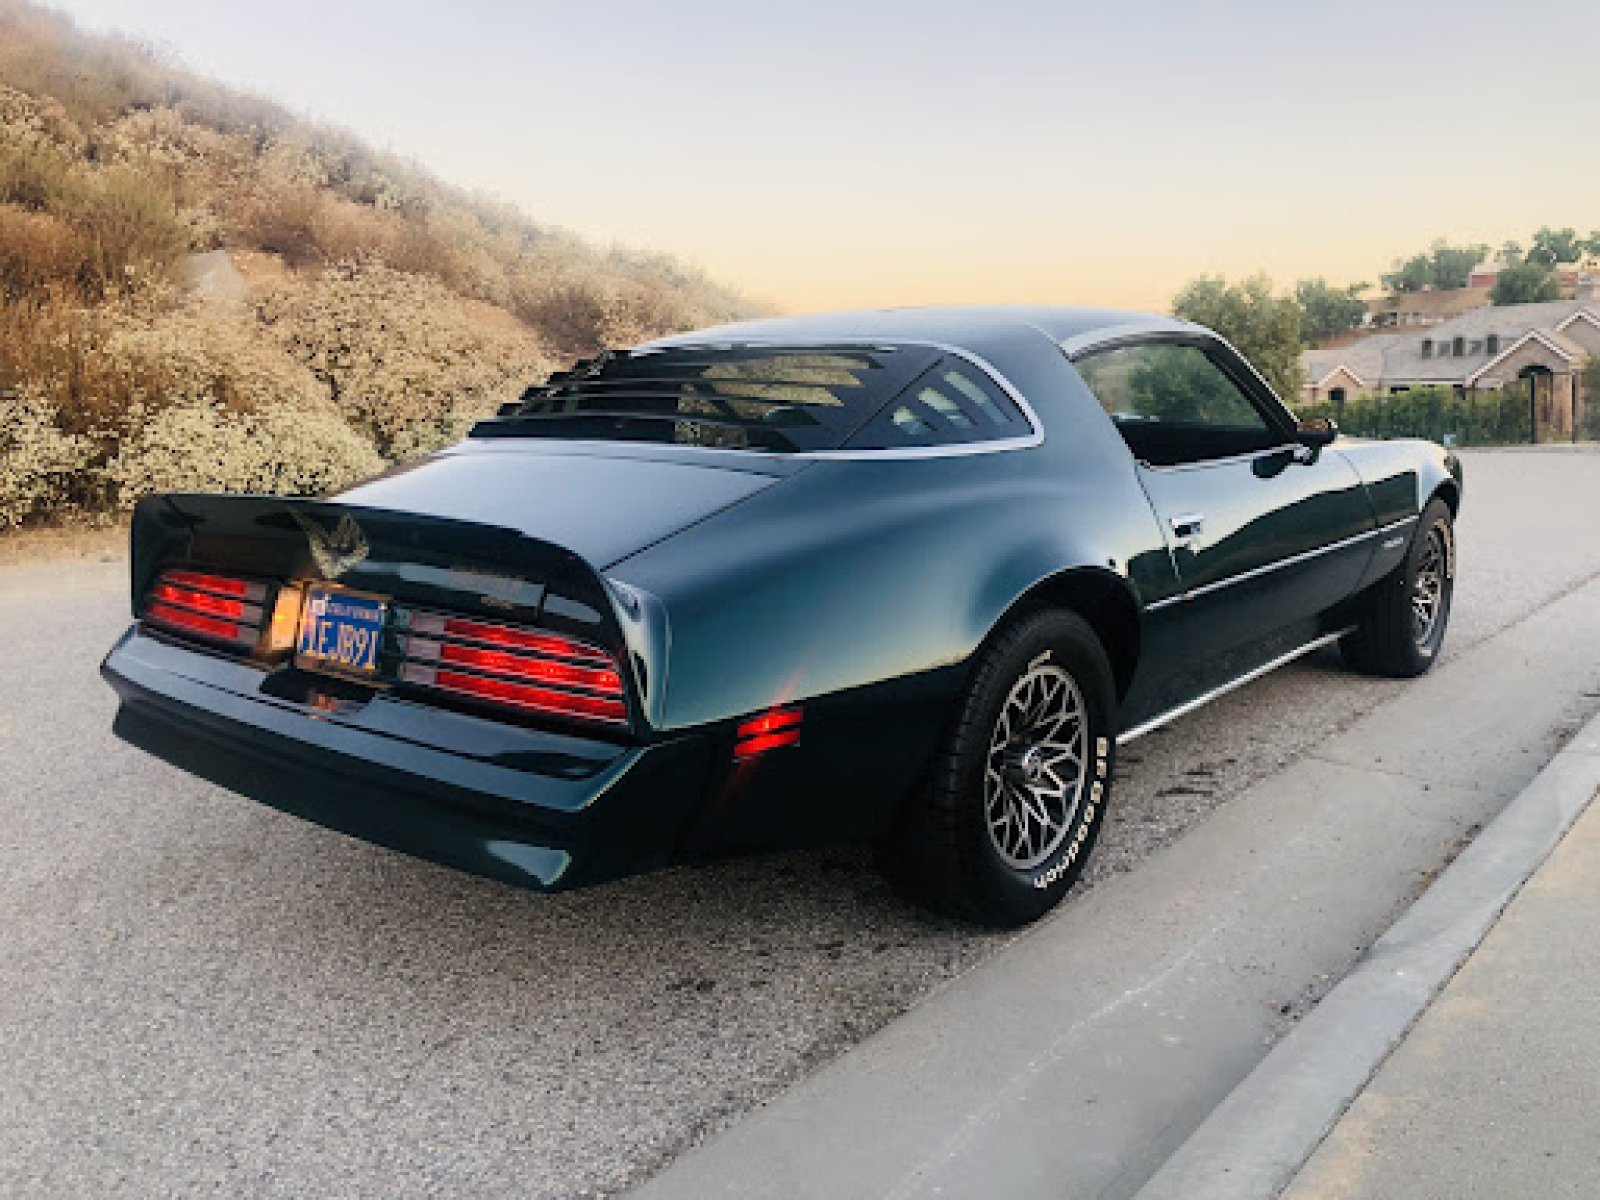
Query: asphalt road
column 198, row 994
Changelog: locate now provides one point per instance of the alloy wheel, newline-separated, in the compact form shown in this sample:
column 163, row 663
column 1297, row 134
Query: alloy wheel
column 1036, row 768
column 1427, row 593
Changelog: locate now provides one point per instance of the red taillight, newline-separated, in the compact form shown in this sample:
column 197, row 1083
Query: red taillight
column 223, row 585
column 772, row 729
column 518, row 695
column 178, row 618
column 218, row 608
column 496, row 634
column 204, row 602
column 544, row 670
column 534, row 671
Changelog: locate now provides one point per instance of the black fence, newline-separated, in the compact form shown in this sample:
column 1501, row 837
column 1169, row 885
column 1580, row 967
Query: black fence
column 1530, row 411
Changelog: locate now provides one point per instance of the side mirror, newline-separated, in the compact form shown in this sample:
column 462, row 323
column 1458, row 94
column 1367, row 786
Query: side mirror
column 1315, row 433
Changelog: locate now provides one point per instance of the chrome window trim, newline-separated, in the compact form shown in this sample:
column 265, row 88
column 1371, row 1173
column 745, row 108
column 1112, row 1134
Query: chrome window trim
column 1280, row 419
column 1268, row 568
column 1183, row 710
column 1079, row 344
column 1200, row 464
column 1035, row 436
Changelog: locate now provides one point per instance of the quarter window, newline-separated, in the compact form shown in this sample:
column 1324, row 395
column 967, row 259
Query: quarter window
column 951, row 403
column 1173, row 404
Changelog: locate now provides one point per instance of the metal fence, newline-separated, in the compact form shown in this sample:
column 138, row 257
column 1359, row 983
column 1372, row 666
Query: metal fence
column 1530, row 411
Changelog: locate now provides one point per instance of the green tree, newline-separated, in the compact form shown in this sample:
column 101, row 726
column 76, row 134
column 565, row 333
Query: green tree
column 1265, row 328
column 1326, row 310
column 1552, row 246
column 1441, row 267
column 1523, row 279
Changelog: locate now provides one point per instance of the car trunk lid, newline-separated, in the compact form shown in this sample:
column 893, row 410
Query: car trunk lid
column 601, row 506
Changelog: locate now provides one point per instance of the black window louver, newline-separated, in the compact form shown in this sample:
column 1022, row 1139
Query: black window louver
column 740, row 397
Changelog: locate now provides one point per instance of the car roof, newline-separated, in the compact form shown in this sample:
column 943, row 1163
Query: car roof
column 967, row 327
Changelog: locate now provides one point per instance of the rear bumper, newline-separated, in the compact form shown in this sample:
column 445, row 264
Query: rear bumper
column 539, row 809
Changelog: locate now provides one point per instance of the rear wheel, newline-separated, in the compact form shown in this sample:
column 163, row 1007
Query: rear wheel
column 1017, row 794
column 1402, row 623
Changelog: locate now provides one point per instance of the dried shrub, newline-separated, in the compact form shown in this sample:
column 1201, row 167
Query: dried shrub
column 128, row 226
column 407, row 361
column 38, row 177
column 37, row 460
column 28, row 120
column 202, row 446
column 582, row 301
column 197, row 353
column 131, row 226
column 38, row 252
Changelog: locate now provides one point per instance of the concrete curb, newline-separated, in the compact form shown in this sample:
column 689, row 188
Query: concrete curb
column 1255, row 1141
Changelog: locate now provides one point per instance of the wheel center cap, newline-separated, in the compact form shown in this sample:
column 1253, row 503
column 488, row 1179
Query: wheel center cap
column 1031, row 764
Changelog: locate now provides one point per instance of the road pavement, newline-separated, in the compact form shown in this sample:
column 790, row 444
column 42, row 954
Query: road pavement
column 202, row 994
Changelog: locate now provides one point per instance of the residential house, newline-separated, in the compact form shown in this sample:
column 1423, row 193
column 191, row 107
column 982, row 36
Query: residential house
column 1404, row 310
column 1488, row 348
column 1577, row 281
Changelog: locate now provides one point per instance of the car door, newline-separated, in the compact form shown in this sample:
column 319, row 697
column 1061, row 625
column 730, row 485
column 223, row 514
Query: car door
column 1265, row 533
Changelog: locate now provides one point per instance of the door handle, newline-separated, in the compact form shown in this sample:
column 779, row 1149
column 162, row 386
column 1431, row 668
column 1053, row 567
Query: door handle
column 1188, row 525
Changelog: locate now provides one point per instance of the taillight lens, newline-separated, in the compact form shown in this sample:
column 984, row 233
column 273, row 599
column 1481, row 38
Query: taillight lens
column 215, row 608
column 526, row 670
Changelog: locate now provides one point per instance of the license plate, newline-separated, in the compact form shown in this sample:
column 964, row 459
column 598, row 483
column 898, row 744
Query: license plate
column 340, row 632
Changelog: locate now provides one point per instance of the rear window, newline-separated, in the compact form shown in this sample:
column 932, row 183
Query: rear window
column 789, row 399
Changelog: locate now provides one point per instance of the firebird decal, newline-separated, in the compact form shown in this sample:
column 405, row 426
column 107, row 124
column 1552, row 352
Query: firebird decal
column 337, row 551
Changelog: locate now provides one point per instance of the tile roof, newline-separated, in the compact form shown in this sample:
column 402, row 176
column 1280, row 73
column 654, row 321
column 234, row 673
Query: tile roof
column 1364, row 359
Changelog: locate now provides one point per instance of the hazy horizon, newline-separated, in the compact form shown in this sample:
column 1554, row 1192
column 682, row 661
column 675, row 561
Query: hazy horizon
column 843, row 155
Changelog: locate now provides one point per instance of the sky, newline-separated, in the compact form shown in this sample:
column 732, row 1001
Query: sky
column 836, row 154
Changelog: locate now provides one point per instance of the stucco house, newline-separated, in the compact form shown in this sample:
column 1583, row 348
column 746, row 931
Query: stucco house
column 1549, row 344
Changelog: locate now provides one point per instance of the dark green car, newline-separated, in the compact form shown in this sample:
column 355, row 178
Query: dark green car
column 908, row 576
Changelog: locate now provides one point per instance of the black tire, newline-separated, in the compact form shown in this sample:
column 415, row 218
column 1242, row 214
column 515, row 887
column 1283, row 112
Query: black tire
column 949, row 852
column 1392, row 637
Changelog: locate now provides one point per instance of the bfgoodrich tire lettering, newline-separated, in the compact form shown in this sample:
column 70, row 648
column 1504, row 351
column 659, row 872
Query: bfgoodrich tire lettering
column 1017, row 794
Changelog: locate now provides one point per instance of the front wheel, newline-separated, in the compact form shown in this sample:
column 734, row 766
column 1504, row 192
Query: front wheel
column 1403, row 621
column 1016, row 796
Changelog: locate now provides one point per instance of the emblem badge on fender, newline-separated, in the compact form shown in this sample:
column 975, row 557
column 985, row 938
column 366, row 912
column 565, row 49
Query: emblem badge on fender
column 336, row 551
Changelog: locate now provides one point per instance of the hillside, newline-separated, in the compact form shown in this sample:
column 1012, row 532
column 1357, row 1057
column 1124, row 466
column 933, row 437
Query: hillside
column 200, row 289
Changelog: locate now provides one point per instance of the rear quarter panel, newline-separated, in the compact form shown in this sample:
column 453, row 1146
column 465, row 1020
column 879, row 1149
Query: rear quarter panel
column 862, row 588
column 855, row 572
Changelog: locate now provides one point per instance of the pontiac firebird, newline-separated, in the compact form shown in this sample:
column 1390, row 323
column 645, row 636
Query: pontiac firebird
column 907, row 577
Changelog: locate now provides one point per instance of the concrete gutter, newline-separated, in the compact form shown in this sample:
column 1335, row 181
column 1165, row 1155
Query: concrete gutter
column 1258, row 1138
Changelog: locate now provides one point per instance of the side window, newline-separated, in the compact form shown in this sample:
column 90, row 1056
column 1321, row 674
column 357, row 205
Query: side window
column 1173, row 405
column 952, row 403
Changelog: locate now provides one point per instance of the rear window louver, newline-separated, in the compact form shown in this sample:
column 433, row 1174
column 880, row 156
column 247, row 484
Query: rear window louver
column 745, row 397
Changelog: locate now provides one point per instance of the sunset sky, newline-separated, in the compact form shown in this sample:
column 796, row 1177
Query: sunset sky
column 835, row 154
